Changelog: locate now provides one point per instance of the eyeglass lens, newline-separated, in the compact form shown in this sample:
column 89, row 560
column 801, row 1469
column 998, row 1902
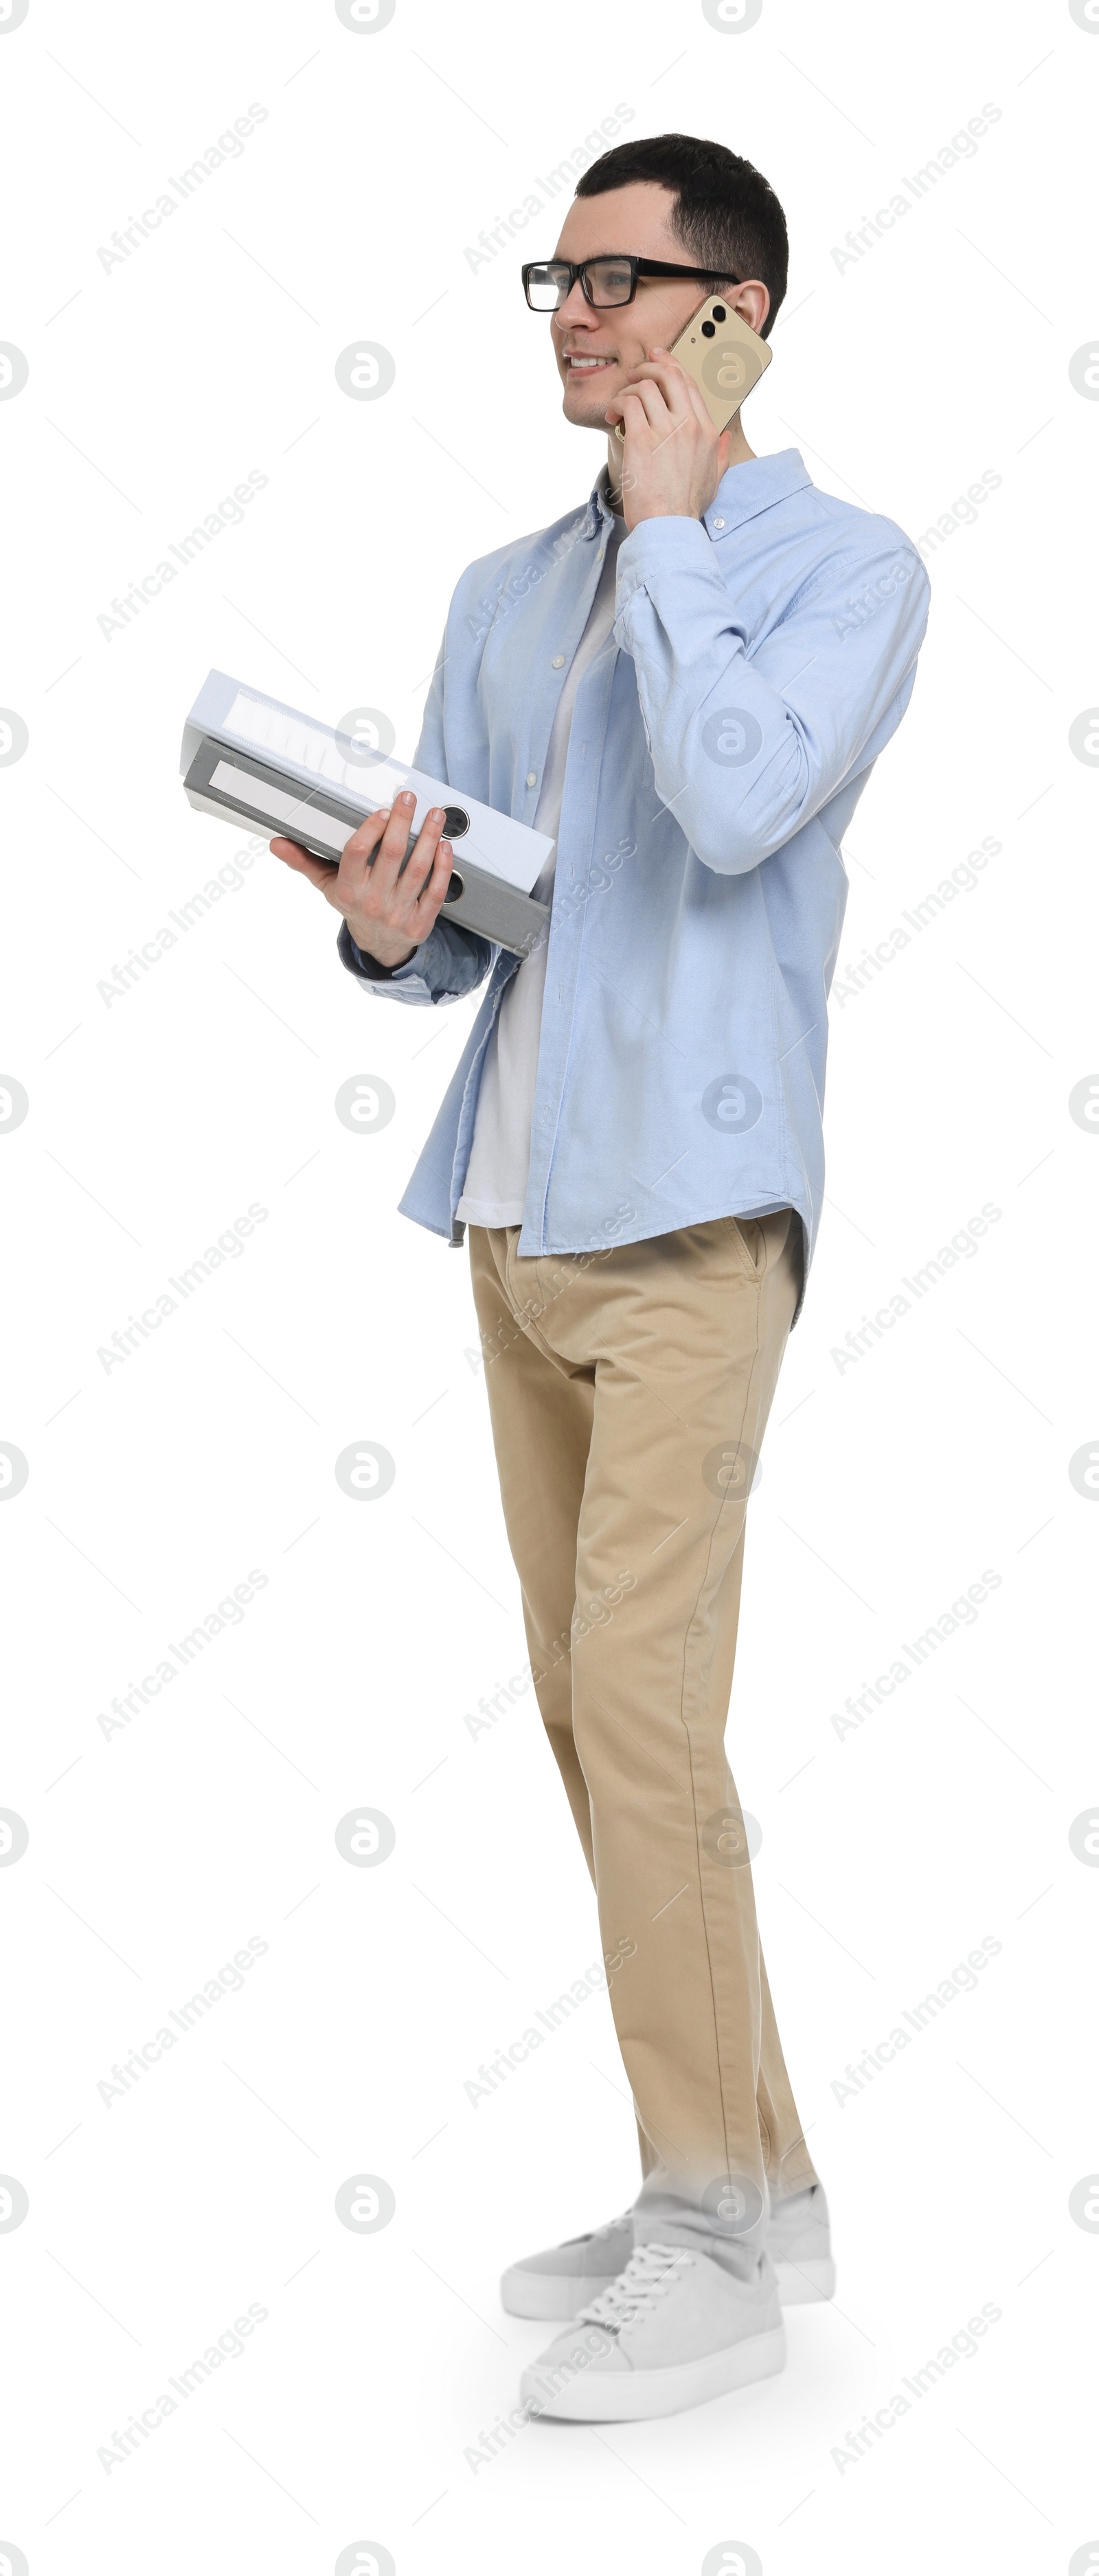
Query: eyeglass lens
column 608, row 281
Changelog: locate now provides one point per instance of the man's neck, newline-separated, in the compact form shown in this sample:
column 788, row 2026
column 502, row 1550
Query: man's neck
column 739, row 454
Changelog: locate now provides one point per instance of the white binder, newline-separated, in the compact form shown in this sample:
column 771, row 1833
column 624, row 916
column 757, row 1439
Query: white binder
column 246, row 756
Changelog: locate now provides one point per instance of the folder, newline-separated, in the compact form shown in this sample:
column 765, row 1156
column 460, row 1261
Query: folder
column 247, row 757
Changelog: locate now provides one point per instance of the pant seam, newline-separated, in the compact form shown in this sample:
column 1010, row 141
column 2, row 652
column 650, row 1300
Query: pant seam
column 691, row 1766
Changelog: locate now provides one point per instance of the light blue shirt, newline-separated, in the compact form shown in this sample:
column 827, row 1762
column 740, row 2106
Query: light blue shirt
column 760, row 659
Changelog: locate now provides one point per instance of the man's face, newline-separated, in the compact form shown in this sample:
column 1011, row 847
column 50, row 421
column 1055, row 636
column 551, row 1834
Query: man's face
column 595, row 350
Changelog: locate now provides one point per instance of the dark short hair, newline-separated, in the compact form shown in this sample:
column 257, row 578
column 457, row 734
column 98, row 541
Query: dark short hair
column 726, row 213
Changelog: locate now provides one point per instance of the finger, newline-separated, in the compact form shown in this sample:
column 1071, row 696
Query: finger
column 359, row 850
column 696, row 402
column 433, row 891
column 394, row 840
column 680, row 391
column 422, row 859
column 303, row 863
column 662, row 369
column 617, row 410
column 654, row 409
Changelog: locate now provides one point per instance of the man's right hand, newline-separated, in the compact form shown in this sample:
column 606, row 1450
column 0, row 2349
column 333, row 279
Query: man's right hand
column 387, row 913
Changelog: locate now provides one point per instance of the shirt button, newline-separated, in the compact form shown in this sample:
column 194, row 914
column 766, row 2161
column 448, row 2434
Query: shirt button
column 719, row 523
column 532, row 778
column 558, row 662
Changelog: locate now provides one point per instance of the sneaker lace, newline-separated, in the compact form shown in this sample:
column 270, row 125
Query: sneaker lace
column 646, row 2277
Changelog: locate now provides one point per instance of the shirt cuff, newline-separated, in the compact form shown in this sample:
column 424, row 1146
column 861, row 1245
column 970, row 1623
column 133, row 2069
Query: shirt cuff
column 680, row 543
column 359, row 962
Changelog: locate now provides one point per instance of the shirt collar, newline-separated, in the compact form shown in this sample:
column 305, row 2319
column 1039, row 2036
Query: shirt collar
column 743, row 492
column 599, row 511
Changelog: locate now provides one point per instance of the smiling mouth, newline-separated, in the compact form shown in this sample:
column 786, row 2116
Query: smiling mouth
column 584, row 366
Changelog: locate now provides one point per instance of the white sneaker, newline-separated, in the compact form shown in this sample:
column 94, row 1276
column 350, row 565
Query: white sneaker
column 556, row 2283
column 672, row 2331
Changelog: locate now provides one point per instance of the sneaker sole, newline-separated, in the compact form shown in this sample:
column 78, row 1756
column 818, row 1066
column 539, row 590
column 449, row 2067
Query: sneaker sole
column 630, row 2396
column 557, row 2297
column 801, row 2284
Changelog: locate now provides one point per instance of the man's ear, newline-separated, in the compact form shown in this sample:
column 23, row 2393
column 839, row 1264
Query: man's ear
column 752, row 301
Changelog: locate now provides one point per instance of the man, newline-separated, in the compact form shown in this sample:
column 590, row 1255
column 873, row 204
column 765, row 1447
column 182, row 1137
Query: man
column 685, row 683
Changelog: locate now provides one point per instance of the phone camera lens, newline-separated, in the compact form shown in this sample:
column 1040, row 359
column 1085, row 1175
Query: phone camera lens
column 707, row 330
column 719, row 313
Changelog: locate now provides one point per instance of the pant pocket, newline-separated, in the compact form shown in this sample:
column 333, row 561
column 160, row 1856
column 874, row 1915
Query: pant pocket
column 750, row 1238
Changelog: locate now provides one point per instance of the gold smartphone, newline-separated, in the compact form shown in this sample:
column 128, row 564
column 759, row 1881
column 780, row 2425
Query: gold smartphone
column 723, row 356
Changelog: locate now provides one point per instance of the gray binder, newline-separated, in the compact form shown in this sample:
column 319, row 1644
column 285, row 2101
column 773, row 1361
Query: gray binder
column 224, row 780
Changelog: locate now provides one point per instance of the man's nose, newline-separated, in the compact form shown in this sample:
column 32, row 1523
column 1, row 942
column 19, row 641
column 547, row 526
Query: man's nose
column 574, row 309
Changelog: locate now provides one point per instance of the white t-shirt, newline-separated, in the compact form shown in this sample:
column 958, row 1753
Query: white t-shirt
column 499, row 1162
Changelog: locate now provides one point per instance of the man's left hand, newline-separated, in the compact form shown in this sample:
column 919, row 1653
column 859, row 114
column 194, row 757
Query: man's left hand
column 673, row 458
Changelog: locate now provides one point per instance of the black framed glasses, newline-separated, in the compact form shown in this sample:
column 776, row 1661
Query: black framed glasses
column 547, row 283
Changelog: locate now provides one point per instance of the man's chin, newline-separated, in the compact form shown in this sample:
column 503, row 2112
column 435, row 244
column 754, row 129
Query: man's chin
column 586, row 410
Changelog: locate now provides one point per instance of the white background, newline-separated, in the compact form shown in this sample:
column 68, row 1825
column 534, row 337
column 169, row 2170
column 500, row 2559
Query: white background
column 158, row 1117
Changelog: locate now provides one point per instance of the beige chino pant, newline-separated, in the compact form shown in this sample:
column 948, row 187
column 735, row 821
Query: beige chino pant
column 628, row 1392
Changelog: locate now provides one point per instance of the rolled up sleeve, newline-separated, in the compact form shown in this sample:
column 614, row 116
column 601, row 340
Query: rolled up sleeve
column 447, row 964
column 746, row 750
